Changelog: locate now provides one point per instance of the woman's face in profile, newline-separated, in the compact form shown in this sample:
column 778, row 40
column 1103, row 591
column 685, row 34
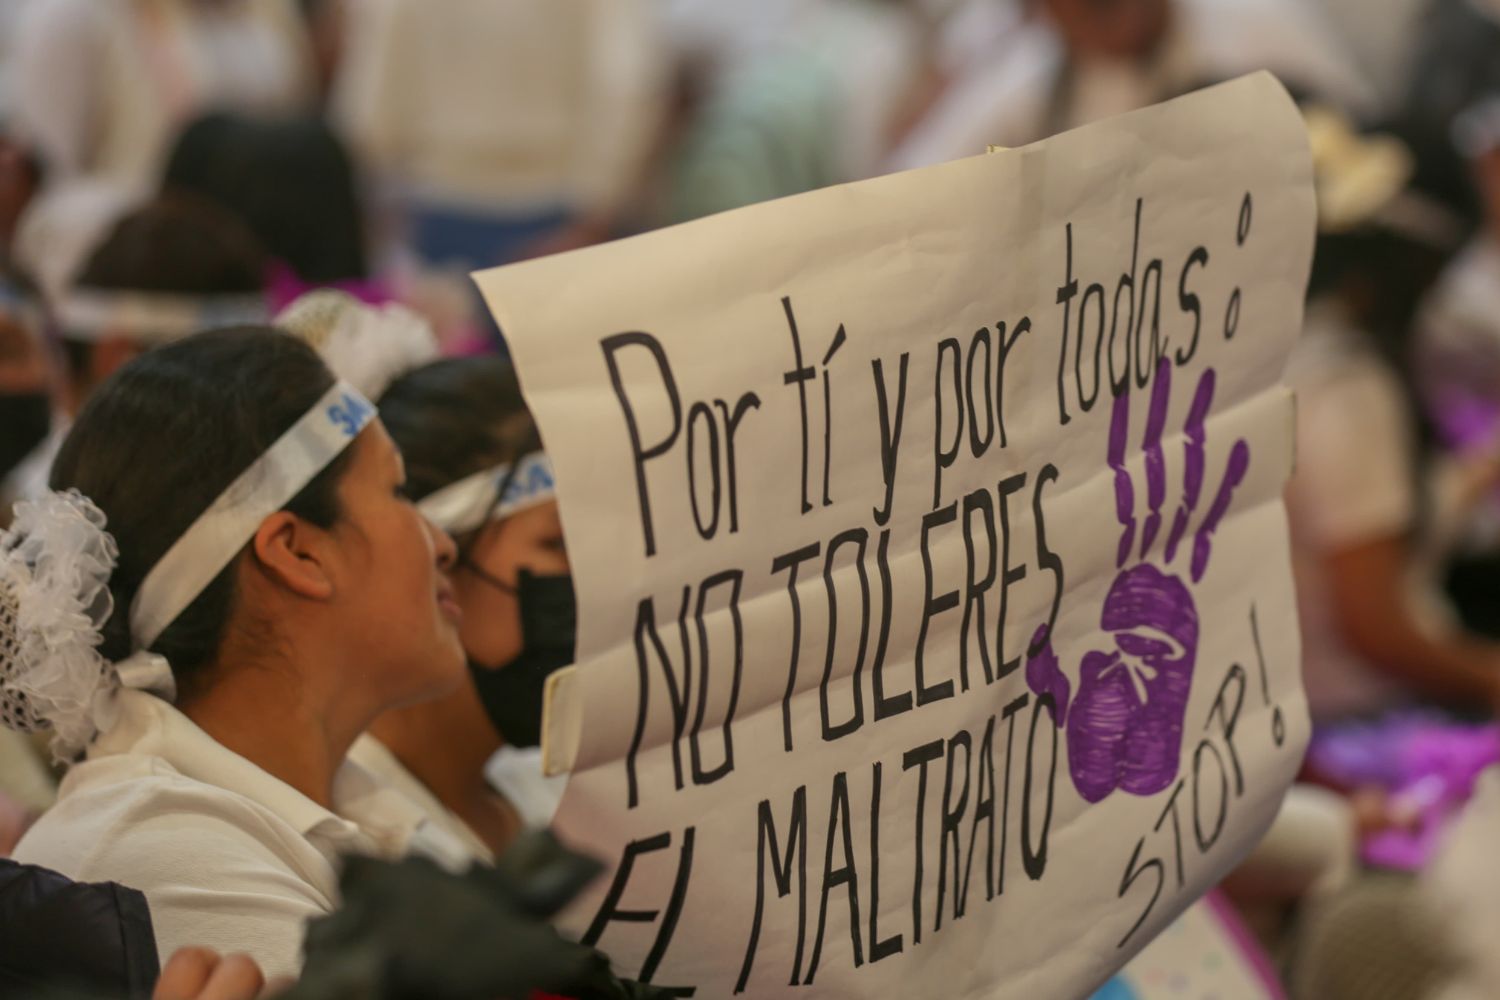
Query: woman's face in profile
column 396, row 592
column 531, row 539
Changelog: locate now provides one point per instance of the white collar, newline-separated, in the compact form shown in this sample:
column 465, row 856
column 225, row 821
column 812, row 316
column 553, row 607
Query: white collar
column 363, row 808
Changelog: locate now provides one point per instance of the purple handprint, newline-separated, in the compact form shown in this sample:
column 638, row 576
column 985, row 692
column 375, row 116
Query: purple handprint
column 1124, row 725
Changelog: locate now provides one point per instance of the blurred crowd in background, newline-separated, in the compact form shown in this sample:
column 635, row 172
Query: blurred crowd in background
column 172, row 165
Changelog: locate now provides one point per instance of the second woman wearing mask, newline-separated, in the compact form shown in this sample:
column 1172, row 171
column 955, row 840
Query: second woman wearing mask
column 475, row 466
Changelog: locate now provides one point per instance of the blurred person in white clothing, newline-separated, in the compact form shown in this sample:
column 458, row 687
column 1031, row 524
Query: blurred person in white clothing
column 102, row 86
column 1377, row 633
column 494, row 124
column 1077, row 61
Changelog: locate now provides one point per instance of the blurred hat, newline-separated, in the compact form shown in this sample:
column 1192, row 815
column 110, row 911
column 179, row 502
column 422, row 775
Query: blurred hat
column 1363, row 179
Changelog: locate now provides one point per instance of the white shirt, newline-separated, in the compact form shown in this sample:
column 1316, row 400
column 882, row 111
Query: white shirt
column 1009, row 100
column 376, row 758
column 516, row 772
column 513, row 106
column 101, row 86
column 228, row 856
column 1354, row 482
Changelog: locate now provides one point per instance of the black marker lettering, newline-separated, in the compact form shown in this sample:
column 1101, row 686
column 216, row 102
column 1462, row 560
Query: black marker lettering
column 749, row 401
column 799, row 376
column 944, row 457
column 1007, row 344
column 781, row 870
column 890, row 432
column 1065, row 294
column 791, row 562
column 1045, row 558
column 734, row 579
column 932, row 606
column 977, row 586
column 1189, row 302
column 919, row 757
column 859, row 537
column 838, row 819
column 984, row 811
column 641, row 455
column 953, row 814
column 1008, row 575
column 892, row 945
column 885, row 707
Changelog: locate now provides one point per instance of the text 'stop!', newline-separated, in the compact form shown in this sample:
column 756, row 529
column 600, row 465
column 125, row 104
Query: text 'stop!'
column 937, row 635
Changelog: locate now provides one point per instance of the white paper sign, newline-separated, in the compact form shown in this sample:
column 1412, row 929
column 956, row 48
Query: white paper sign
column 936, row 626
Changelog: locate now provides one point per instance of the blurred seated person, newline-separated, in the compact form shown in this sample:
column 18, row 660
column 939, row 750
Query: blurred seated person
column 476, row 468
column 176, row 265
column 205, row 674
column 101, row 88
column 26, row 415
column 474, row 465
column 292, row 182
column 26, row 386
column 1376, row 633
column 1460, row 324
column 1459, row 361
column 495, row 125
column 20, row 180
column 1077, row 61
column 1456, row 59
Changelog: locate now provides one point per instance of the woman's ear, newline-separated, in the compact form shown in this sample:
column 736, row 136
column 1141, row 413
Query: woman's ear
column 293, row 552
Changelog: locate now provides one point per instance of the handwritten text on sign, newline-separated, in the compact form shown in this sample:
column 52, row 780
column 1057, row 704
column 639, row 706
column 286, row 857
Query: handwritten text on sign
column 937, row 632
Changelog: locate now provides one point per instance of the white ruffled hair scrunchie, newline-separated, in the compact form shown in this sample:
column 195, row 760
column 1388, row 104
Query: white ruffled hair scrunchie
column 55, row 564
column 367, row 346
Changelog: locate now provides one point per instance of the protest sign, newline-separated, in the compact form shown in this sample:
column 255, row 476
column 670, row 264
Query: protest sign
column 936, row 626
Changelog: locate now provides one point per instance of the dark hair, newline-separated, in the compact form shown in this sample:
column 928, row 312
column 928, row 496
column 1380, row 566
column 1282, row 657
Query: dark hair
column 178, row 245
column 455, row 417
column 289, row 179
column 160, row 440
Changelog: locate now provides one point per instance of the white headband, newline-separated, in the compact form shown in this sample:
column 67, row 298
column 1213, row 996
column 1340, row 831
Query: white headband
column 265, row 487
column 157, row 318
column 465, row 505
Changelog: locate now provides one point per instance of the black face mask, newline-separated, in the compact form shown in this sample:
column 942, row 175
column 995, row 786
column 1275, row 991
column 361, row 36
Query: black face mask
column 512, row 693
column 25, row 419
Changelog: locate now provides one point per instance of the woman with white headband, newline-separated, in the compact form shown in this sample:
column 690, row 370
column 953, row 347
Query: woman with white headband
column 476, row 468
column 264, row 592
